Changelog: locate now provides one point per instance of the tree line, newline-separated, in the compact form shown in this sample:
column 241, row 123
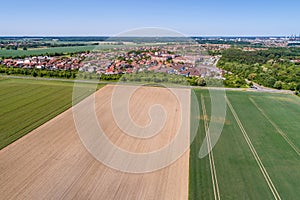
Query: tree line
column 147, row 76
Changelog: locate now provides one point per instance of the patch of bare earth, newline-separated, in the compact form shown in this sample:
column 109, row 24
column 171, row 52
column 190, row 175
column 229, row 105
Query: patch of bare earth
column 52, row 163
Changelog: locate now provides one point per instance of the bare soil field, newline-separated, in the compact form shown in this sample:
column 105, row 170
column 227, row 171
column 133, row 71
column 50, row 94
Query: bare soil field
column 52, row 163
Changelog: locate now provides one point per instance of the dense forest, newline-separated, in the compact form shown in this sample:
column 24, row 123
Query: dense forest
column 275, row 68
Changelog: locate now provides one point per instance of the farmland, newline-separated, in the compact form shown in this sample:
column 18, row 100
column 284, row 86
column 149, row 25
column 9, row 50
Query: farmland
column 4, row 53
column 51, row 162
column 26, row 104
column 44, row 51
column 257, row 155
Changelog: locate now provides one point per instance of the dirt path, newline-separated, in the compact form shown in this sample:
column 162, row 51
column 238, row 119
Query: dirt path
column 52, row 163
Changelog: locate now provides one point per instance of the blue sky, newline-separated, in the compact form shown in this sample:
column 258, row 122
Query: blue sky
column 191, row 17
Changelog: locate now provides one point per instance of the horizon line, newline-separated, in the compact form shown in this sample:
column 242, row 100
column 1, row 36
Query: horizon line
column 110, row 36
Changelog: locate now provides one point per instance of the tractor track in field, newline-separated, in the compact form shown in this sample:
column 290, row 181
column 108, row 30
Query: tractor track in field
column 210, row 154
column 285, row 137
column 254, row 153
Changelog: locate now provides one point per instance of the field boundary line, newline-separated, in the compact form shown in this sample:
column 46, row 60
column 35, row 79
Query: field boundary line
column 285, row 137
column 254, row 153
column 210, row 153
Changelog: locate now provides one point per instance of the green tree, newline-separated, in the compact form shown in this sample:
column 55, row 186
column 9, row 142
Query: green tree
column 298, row 87
column 34, row 74
column 278, row 85
column 270, row 81
column 200, row 81
column 252, row 76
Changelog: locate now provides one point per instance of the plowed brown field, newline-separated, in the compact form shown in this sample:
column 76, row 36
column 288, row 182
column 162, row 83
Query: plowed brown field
column 52, row 163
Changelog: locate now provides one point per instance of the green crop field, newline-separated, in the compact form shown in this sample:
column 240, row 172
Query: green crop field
column 42, row 51
column 26, row 104
column 4, row 53
column 257, row 155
